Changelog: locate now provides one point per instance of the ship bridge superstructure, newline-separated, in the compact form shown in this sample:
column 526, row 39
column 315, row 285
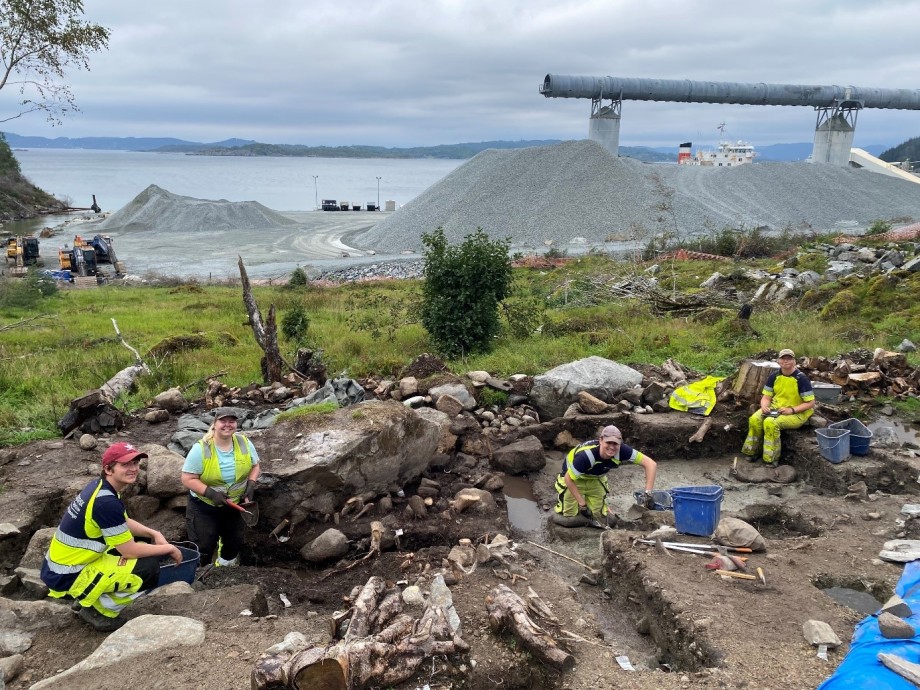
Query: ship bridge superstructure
column 837, row 107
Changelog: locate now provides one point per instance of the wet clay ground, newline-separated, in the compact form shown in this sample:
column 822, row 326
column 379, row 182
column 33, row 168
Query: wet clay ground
column 679, row 624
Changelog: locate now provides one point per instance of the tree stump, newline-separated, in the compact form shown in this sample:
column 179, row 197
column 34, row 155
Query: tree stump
column 751, row 378
column 383, row 646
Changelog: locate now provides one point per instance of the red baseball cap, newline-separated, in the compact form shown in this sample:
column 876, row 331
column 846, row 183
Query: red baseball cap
column 121, row 452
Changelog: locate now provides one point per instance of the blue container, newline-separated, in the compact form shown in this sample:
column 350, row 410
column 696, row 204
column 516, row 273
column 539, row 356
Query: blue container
column 860, row 435
column 183, row 572
column 697, row 509
column 834, row 444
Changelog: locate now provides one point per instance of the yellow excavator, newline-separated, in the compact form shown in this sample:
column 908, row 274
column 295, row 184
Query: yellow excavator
column 22, row 252
column 86, row 255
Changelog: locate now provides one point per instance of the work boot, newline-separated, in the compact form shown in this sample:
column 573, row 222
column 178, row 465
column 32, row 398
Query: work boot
column 569, row 521
column 99, row 622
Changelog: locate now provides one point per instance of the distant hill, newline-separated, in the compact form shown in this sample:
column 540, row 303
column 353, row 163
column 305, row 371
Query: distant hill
column 116, row 143
column 907, row 151
column 247, row 147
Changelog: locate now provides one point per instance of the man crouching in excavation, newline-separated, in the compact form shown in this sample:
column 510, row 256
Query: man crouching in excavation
column 582, row 485
column 93, row 557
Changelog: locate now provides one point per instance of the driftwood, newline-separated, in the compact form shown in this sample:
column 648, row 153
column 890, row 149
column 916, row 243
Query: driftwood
column 266, row 333
column 507, row 612
column 701, row 432
column 383, row 646
column 95, row 412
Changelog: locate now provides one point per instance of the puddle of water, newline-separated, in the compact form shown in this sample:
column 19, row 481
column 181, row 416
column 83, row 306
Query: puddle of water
column 905, row 432
column 523, row 512
column 861, row 602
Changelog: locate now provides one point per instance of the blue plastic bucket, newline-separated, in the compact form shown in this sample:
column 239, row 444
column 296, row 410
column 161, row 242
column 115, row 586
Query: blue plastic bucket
column 834, row 444
column 860, row 435
column 183, row 572
column 697, row 509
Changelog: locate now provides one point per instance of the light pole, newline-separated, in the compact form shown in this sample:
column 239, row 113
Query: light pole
column 315, row 193
column 378, row 192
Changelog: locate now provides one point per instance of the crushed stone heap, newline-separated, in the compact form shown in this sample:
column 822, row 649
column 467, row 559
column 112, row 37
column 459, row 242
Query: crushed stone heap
column 554, row 194
column 158, row 209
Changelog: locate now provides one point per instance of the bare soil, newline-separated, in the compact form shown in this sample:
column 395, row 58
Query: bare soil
column 697, row 630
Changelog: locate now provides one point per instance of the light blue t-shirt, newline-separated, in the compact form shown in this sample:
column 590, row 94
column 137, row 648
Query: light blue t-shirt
column 194, row 464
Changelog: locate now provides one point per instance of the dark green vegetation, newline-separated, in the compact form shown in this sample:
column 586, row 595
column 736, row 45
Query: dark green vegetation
column 463, row 287
column 906, row 151
column 19, row 198
column 69, row 346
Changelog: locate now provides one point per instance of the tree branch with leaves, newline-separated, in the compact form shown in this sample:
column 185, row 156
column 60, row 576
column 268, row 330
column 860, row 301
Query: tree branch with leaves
column 39, row 41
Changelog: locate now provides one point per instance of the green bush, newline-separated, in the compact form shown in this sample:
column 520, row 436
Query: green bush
column 294, row 323
column 464, row 285
column 298, row 278
column 523, row 315
column 26, row 292
column 879, row 227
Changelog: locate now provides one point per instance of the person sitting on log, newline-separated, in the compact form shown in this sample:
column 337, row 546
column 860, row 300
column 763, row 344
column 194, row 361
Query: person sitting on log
column 223, row 466
column 582, row 483
column 786, row 403
column 93, row 557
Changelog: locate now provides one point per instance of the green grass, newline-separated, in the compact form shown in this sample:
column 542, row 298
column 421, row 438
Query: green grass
column 371, row 328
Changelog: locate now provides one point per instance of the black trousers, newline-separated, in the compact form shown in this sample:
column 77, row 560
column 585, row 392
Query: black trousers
column 206, row 524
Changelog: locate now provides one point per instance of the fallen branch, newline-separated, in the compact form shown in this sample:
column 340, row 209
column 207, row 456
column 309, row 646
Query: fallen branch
column 507, row 612
column 17, row 324
column 561, row 555
column 701, row 432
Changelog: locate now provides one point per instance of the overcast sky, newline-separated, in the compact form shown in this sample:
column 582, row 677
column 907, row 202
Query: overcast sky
column 426, row 72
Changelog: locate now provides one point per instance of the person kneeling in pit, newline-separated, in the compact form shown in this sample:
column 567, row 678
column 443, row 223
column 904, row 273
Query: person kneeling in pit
column 93, row 557
column 582, row 484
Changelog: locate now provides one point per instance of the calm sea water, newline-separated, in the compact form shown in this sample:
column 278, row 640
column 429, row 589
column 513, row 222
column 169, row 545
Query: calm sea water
column 283, row 184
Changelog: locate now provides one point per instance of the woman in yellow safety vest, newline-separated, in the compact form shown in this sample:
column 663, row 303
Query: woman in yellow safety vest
column 223, row 466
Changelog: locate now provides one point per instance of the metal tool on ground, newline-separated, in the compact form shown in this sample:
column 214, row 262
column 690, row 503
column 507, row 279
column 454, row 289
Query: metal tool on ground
column 699, row 550
column 710, row 547
column 735, row 574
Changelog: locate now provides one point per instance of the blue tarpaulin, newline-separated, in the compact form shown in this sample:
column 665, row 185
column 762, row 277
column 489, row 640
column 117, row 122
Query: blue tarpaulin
column 861, row 667
column 59, row 275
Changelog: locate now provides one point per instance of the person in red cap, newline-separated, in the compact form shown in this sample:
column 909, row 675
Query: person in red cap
column 93, row 557
column 582, row 483
column 787, row 401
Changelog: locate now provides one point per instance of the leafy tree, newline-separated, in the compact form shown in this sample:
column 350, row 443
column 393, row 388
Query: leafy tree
column 294, row 323
column 39, row 40
column 464, row 285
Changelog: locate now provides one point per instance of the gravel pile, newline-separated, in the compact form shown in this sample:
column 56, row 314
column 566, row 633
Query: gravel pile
column 377, row 271
column 576, row 193
column 160, row 210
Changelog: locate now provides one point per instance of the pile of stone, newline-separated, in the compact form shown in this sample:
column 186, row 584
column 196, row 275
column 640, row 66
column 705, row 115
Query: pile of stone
column 865, row 375
column 384, row 270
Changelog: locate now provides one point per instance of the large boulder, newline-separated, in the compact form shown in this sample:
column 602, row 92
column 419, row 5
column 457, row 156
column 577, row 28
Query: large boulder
column 553, row 392
column 320, row 461
column 164, row 471
column 520, row 457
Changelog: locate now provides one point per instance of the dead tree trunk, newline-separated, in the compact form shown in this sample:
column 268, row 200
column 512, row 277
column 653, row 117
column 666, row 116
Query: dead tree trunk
column 750, row 380
column 382, row 647
column 266, row 333
column 508, row 612
column 95, row 412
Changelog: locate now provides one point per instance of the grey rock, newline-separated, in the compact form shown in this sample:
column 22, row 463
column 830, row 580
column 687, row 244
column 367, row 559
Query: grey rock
column 330, row 545
column 10, row 667
column 14, row 642
column 440, row 596
column 907, row 346
column 408, row 386
column 156, row 416
column 88, row 442
column 894, row 628
column 172, row 401
column 32, row 616
column 146, row 635
column 818, row 632
column 553, row 392
column 164, row 471
column 38, row 545
column 525, row 455
column 8, row 529
column 913, row 265
column 449, row 405
column 457, row 390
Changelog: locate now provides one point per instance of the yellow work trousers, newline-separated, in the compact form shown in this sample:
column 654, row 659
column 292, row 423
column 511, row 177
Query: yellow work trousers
column 592, row 488
column 764, row 433
column 108, row 584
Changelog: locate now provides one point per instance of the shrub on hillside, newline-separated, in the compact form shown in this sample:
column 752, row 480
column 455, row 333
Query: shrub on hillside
column 464, row 285
column 294, row 324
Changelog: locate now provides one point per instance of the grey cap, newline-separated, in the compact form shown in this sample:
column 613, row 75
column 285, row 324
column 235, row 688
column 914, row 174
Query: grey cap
column 226, row 412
